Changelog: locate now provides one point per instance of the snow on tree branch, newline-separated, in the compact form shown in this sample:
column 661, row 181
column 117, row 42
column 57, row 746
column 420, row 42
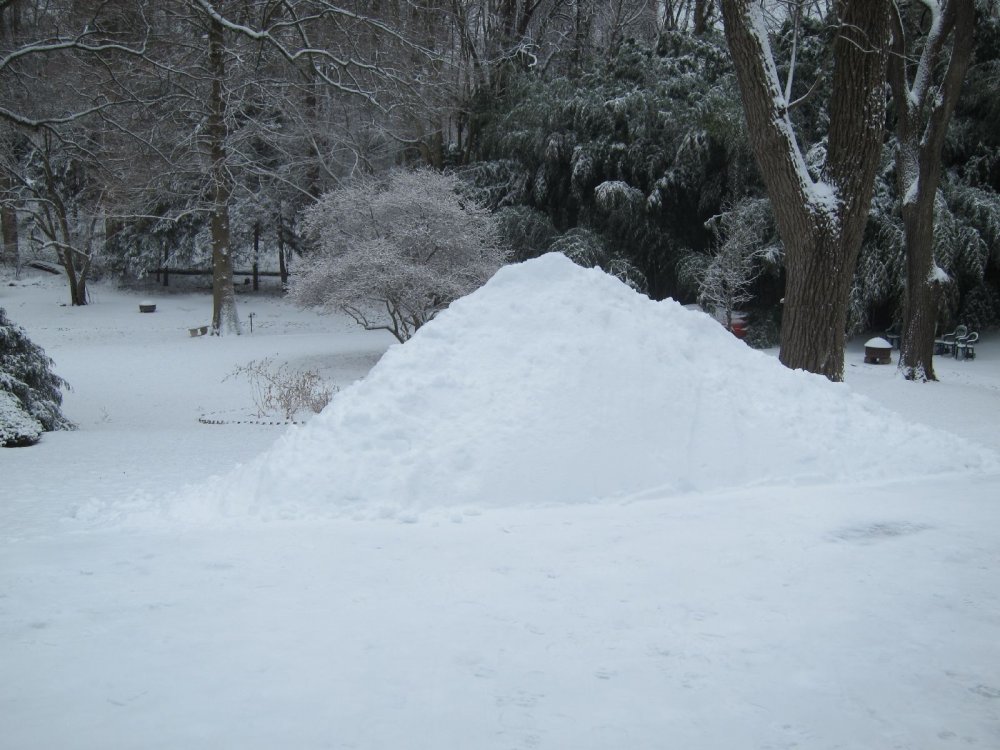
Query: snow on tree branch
column 394, row 252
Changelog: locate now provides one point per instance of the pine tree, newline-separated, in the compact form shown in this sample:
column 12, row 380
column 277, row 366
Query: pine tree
column 640, row 150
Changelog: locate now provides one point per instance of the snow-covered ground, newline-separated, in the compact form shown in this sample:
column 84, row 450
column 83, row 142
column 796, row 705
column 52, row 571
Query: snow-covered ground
column 562, row 516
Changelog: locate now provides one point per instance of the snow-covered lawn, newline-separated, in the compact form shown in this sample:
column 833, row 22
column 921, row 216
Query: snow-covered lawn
column 560, row 517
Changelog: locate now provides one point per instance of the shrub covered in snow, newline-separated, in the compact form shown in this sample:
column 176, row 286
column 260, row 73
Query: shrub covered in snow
column 395, row 251
column 725, row 277
column 16, row 426
column 30, row 394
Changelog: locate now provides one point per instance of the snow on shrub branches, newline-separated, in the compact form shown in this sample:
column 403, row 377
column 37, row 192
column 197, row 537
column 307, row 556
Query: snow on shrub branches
column 30, row 394
column 392, row 252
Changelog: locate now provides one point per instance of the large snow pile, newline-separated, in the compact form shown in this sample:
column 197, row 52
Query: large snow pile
column 556, row 384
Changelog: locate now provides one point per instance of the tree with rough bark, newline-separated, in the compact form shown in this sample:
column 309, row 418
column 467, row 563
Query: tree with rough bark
column 10, row 246
column 59, row 191
column 820, row 215
column 393, row 252
column 932, row 46
column 225, row 318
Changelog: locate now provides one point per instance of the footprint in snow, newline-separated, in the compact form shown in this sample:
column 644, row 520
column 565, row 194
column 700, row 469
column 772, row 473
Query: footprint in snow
column 876, row 532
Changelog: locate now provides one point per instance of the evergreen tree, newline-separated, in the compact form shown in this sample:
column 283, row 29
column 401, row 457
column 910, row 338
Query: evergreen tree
column 30, row 396
column 641, row 150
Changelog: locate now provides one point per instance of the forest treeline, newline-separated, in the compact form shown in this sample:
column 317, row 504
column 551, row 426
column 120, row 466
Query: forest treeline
column 187, row 133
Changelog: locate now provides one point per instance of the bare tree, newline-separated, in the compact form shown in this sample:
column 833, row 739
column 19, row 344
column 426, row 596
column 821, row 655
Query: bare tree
column 925, row 93
column 820, row 221
column 64, row 67
column 63, row 201
column 65, row 38
column 393, row 253
column 225, row 100
column 725, row 281
column 314, row 65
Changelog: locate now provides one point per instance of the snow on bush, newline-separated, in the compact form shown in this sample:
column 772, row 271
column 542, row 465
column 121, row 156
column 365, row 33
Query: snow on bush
column 30, row 394
column 395, row 251
column 558, row 384
column 17, row 428
column 587, row 249
column 616, row 195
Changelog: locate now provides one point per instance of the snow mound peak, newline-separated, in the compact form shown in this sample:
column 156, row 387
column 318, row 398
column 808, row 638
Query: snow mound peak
column 558, row 384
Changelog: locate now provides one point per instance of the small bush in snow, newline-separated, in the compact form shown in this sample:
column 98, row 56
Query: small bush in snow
column 17, row 427
column 394, row 251
column 725, row 277
column 30, row 394
column 278, row 389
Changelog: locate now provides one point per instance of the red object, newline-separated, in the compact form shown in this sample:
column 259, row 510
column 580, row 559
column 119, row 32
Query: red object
column 739, row 327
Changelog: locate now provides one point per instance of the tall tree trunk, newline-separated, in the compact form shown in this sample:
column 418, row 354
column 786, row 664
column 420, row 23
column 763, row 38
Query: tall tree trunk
column 702, row 13
column 923, row 112
column 923, row 293
column 582, row 26
column 80, row 292
column 69, row 265
column 9, row 251
column 163, row 264
column 282, row 266
column 224, row 315
column 814, row 314
column 313, row 184
column 10, row 18
column 256, row 255
column 75, row 275
column 923, row 282
column 820, row 222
